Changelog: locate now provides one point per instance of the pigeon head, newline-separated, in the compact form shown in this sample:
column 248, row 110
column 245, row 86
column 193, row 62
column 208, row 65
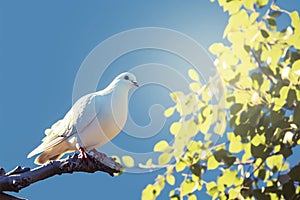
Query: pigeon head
column 126, row 79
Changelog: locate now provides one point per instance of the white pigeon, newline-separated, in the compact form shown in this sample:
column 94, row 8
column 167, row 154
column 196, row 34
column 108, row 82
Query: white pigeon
column 94, row 120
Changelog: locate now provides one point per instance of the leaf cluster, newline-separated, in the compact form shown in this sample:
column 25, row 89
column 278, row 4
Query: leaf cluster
column 254, row 100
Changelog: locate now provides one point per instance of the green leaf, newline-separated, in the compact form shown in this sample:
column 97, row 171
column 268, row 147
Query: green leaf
column 296, row 116
column 164, row 158
column 288, row 190
column 220, row 154
column 272, row 23
column 262, row 174
column 162, row 146
column 260, row 151
column 291, row 97
column 285, row 151
column 128, row 161
column 295, row 173
column 196, row 169
column 260, row 195
column 236, row 108
column 242, row 130
column 193, row 75
column 229, row 160
column 264, row 33
column 275, row 14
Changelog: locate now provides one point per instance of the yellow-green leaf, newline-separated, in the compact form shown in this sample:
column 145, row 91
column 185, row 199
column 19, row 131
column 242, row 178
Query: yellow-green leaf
column 296, row 66
column 171, row 193
column 275, row 161
column 191, row 128
column 235, row 146
column 128, row 161
column 147, row 193
column 169, row 111
column 295, row 19
column 161, row 146
column 212, row 163
column 249, row 4
column 175, row 127
column 262, row 3
column 229, row 178
column 258, row 139
column 195, row 87
column 170, row 179
column 247, row 154
column 188, row 186
column 232, row 6
column 217, row 48
column 193, row 75
column 176, row 95
column 253, row 16
column 233, row 193
column 192, row 197
column 284, row 92
column 211, row 188
column 149, row 162
column 220, row 127
column 285, row 166
column 180, row 165
column 164, row 158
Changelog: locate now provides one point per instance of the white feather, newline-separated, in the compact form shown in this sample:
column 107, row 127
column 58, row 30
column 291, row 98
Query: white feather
column 93, row 120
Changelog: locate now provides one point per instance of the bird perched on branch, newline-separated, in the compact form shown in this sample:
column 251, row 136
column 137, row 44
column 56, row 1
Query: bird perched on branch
column 93, row 121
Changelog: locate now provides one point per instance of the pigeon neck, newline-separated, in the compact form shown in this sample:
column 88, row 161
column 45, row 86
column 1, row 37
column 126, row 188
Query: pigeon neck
column 110, row 88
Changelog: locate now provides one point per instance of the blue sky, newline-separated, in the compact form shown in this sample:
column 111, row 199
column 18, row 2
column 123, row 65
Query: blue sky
column 42, row 46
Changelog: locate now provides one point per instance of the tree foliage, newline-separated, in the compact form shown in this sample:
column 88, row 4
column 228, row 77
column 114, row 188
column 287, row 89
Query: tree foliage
column 258, row 121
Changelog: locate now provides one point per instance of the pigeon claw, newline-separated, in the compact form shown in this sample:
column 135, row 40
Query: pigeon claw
column 84, row 155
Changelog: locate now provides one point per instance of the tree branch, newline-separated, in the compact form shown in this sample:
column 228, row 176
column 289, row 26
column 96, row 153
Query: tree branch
column 20, row 178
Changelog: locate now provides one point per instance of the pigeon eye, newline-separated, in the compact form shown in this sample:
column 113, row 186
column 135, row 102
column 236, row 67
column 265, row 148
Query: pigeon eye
column 126, row 77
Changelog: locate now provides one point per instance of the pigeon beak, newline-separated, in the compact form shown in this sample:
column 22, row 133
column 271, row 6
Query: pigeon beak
column 135, row 83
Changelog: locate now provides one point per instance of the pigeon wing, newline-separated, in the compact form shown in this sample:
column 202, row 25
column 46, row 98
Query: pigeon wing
column 83, row 112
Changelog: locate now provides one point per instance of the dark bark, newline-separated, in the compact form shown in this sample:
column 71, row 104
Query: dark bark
column 20, row 177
